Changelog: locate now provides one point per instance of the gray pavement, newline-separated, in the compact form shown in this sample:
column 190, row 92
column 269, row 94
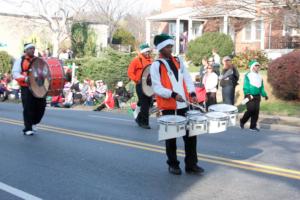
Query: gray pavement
column 92, row 155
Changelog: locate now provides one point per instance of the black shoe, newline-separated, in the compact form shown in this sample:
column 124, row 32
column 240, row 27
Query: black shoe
column 254, row 129
column 195, row 169
column 175, row 170
column 144, row 126
column 241, row 124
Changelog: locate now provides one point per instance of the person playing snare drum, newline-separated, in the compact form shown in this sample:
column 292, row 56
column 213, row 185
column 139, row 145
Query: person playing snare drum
column 173, row 86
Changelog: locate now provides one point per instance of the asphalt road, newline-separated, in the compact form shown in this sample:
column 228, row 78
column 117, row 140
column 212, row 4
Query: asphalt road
column 100, row 155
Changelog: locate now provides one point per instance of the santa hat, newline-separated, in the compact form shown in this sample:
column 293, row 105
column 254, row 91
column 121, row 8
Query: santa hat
column 163, row 40
column 252, row 63
column 28, row 45
column 144, row 48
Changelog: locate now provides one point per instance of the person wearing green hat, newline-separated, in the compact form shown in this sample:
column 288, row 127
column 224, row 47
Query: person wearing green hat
column 135, row 71
column 173, row 87
column 253, row 90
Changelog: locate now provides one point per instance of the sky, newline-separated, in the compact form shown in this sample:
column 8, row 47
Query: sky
column 11, row 6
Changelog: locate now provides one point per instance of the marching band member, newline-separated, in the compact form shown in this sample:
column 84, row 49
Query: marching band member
column 135, row 70
column 173, row 86
column 33, row 108
column 253, row 90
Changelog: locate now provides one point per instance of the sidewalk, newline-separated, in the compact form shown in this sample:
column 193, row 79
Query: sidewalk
column 279, row 123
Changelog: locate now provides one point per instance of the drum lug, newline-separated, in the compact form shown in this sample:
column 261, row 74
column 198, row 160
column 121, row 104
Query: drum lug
column 177, row 128
column 166, row 128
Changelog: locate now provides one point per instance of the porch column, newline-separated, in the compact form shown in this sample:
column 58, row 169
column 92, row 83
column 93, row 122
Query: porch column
column 190, row 30
column 177, row 36
column 225, row 28
column 148, row 31
column 262, row 39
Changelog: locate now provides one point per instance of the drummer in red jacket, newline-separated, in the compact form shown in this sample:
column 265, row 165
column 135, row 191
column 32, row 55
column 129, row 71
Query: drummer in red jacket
column 135, row 70
column 33, row 108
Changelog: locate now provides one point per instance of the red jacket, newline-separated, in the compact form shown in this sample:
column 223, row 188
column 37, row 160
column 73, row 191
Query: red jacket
column 137, row 66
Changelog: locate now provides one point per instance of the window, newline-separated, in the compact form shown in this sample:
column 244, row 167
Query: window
column 289, row 31
column 258, row 30
column 248, row 32
column 172, row 28
column 253, row 31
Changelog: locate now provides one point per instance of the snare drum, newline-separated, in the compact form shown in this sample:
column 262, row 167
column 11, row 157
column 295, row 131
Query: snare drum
column 197, row 125
column 216, row 122
column 191, row 113
column 231, row 110
column 171, row 126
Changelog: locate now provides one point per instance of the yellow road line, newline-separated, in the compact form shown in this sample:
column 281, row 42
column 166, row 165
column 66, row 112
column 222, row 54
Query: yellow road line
column 211, row 159
column 163, row 148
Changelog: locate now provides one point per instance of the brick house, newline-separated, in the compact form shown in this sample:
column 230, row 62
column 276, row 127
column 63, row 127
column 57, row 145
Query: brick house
column 186, row 20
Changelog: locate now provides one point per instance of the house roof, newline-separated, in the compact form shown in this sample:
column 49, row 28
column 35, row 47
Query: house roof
column 200, row 13
column 179, row 13
column 210, row 12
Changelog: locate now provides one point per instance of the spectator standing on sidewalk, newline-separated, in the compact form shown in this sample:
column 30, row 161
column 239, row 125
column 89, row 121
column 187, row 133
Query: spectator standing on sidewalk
column 228, row 80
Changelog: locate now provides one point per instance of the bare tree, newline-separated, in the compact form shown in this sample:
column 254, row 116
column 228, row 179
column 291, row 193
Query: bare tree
column 112, row 12
column 57, row 14
column 269, row 9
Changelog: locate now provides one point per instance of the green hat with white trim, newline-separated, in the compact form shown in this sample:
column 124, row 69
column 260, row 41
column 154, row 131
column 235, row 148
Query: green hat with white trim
column 252, row 63
column 144, row 48
column 163, row 40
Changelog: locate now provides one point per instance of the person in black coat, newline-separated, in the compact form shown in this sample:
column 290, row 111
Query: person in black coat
column 228, row 81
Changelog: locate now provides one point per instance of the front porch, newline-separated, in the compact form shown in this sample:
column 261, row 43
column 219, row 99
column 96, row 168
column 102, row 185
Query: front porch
column 186, row 24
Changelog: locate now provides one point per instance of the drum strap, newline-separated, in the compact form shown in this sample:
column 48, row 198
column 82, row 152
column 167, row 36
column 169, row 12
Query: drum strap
column 29, row 62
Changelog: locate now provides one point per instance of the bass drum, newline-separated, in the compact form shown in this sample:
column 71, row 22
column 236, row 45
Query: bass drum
column 146, row 82
column 46, row 77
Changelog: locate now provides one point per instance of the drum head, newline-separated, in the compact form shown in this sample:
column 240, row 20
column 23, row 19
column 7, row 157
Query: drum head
column 146, row 82
column 39, row 78
column 216, row 115
column 223, row 108
column 172, row 119
column 198, row 118
column 193, row 112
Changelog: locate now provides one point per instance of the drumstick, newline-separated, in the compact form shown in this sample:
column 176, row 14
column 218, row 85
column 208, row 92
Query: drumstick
column 197, row 106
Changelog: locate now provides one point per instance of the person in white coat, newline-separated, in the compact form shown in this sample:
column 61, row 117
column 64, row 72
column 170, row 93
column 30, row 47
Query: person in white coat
column 210, row 82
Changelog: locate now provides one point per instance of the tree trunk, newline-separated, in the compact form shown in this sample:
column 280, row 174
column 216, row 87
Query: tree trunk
column 55, row 42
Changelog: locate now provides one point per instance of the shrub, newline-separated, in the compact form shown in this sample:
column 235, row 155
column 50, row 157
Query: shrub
column 202, row 46
column 284, row 76
column 5, row 62
column 83, row 40
column 124, row 37
column 111, row 67
column 242, row 59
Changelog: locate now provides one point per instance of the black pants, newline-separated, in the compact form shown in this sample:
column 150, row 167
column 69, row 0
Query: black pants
column 228, row 93
column 190, row 145
column 211, row 98
column 144, row 102
column 252, row 112
column 33, row 108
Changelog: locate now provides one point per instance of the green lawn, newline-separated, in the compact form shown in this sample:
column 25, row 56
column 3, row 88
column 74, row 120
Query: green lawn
column 193, row 68
column 277, row 108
